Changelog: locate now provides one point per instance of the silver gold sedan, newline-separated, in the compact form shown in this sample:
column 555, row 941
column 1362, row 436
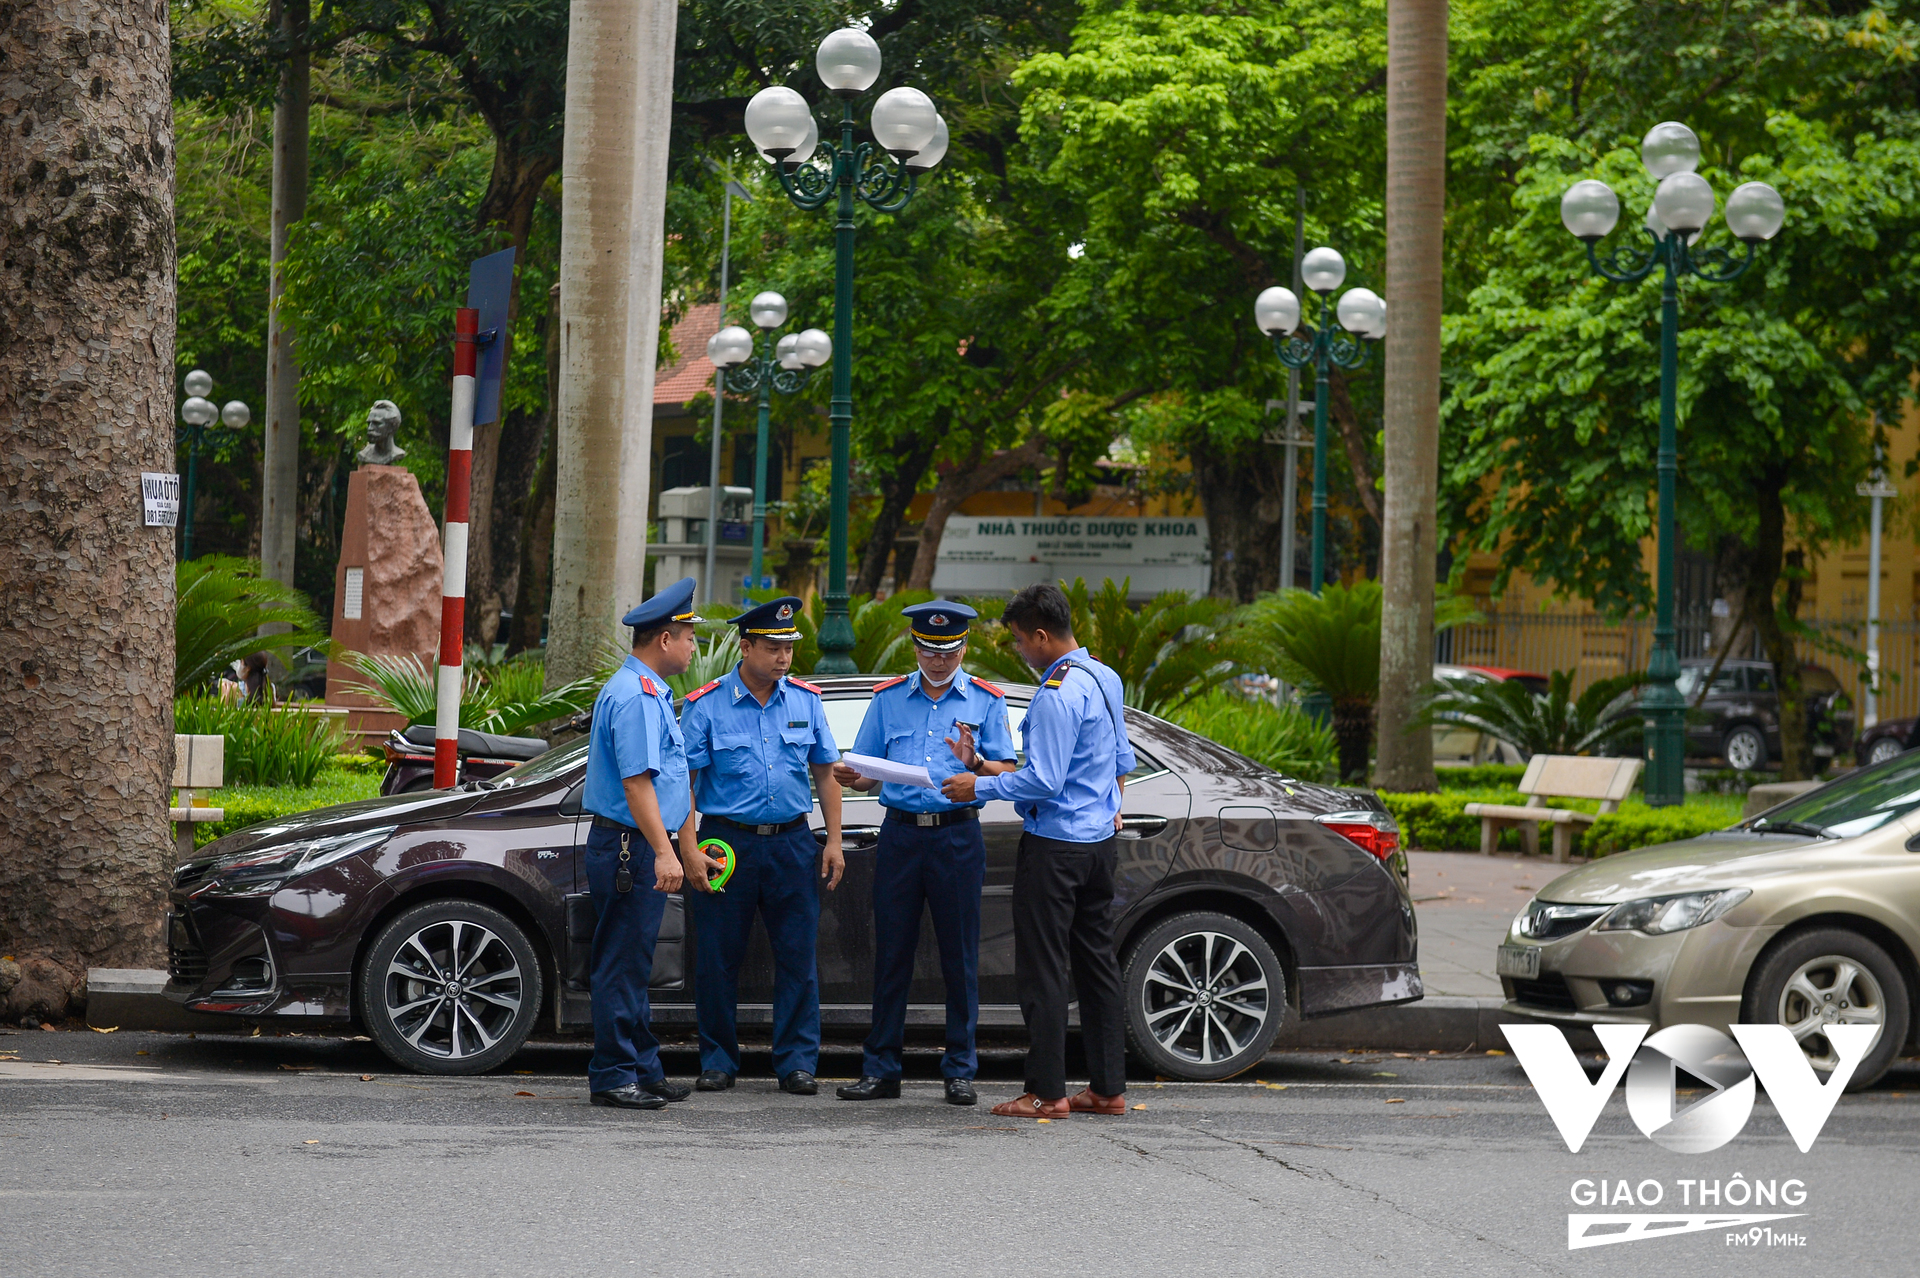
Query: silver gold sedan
column 1807, row 916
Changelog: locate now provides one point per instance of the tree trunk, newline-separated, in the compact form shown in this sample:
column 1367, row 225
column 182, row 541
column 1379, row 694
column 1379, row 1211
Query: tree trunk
column 957, row 484
column 280, row 468
column 86, row 405
column 1763, row 579
column 1243, row 499
column 536, row 534
column 1353, row 734
column 1416, row 213
column 1354, row 437
column 897, row 494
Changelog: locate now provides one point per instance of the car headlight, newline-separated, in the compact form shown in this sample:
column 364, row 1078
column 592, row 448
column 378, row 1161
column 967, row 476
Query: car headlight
column 1656, row 915
column 262, row 870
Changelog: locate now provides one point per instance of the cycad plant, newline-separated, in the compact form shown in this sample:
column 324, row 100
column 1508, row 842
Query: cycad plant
column 1168, row 651
column 1328, row 643
column 509, row 698
column 220, row 605
column 880, row 643
column 1557, row 723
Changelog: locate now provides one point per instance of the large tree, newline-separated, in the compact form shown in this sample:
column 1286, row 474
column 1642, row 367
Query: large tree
column 1416, row 213
column 86, row 406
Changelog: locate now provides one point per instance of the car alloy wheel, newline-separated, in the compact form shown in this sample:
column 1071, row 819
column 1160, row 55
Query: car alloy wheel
column 1883, row 749
column 1205, row 996
column 1745, row 749
column 1825, row 977
column 450, row 987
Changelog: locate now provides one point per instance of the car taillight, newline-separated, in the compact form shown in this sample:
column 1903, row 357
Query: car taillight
column 1374, row 832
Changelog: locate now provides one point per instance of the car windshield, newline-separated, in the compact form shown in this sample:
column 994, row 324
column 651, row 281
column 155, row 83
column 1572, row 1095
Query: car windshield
column 1853, row 805
column 547, row 766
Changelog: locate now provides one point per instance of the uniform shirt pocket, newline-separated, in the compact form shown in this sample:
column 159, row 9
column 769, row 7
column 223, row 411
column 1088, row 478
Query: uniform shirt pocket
column 734, row 753
column 797, row 741
column 903, row 745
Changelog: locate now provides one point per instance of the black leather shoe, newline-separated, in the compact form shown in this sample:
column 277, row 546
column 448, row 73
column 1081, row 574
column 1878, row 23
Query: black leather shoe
column 629, row 1097
column 667, row 1089
column 799, row 1083
column 960, row 1091
column 870, row 1088
column 713, row 1080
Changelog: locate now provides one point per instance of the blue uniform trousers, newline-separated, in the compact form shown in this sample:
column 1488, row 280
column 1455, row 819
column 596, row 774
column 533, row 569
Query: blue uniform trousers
column 941, row 870
column 624, row 1048
column 776, row 875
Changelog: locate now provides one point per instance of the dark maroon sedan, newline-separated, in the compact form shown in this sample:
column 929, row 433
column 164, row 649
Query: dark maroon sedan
column 448, row 924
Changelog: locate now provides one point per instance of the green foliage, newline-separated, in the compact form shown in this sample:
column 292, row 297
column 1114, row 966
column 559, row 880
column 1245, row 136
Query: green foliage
column 880, row 642
column 348, row 781
column 1638, row 826
column 509, row 698
column 718, row 653
column 1282, row 737
column 1328, row 642
column 265, row 744
column 1437, row 822
column 220, row 605
column 1554, row 724
column 1480, row 776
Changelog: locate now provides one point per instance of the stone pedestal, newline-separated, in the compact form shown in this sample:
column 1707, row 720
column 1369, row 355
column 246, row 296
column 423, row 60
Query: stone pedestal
column 386, row 589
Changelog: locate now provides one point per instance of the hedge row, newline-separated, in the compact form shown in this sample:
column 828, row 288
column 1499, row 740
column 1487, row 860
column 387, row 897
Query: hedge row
column 348, row 778
column 1439, row 822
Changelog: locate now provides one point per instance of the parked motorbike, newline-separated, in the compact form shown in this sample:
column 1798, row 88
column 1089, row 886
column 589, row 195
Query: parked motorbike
column 483, row 756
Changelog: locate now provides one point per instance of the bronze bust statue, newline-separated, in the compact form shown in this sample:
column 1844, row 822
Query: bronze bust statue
column 383, row 420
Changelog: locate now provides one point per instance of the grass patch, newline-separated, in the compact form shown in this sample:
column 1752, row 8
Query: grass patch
column 251, row 804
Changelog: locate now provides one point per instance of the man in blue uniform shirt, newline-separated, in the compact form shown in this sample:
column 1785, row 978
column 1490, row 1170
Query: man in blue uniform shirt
column 637, row 791
column 1068, row 795
column 753, row 736
column 931, row 855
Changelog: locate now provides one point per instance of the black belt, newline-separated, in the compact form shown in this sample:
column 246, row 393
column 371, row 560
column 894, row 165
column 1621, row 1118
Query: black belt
column 778, row 827
column 608, row 823
column 933, row 819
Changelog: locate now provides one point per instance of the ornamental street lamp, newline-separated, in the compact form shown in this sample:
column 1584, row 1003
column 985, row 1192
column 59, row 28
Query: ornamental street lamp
column 1363, row 314
column 909, row 137
column 784, row 367
column 198, row 413
column 1683, row 204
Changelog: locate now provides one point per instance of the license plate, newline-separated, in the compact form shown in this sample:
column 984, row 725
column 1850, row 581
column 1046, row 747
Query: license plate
column 1522, row 961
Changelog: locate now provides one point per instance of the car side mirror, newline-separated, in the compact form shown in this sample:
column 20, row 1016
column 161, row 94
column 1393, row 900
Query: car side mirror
column 570, row 805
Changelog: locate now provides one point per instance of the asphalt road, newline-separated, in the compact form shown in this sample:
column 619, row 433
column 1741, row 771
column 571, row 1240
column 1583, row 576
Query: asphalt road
column 161, row 1155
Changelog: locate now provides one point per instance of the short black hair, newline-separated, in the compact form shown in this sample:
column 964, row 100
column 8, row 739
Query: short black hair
column 645, row 638
column 1041, row 606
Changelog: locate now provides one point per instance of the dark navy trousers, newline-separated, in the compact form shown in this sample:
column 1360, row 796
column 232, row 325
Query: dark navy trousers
column 939, row 870
column 624, row 1048
column 776, row 876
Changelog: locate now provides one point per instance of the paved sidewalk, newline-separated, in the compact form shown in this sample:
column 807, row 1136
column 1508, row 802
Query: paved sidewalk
column 1465, row 903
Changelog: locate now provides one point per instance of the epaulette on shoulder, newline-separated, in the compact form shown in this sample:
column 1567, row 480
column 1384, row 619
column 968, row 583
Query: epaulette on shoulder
column 698, row 693
column 884, row 684
column 982, row 683
column 802, row 683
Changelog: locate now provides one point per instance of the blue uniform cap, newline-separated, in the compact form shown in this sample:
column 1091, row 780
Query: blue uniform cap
column 675, row 603
column 770, row 620
column 939, row 625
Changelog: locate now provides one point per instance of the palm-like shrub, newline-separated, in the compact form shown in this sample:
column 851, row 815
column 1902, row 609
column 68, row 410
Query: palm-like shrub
column 266, row 744
column 880, row 642
column 1168, row 651
column 1557, row 723
column 220, row 605
column 509, row 698
column 1286, row 739
column 1328, row 643
column 718, row 653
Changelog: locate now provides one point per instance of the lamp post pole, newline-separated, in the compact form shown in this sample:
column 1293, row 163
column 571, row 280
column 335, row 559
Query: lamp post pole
column 1682, row 206
column 1363, row 317
column 785, row 367
column 198, row 413
column 1878, row 489
column 909, row 137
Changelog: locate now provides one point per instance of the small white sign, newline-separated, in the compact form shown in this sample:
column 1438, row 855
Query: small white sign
column 1061, row 539
column 356, row 585
column 160, row 499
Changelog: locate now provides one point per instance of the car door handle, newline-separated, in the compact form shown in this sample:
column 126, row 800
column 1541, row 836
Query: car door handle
column 852, row 836
column 1142, row 827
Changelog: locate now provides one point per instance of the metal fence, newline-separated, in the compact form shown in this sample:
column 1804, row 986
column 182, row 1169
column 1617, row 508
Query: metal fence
column 1595, row 648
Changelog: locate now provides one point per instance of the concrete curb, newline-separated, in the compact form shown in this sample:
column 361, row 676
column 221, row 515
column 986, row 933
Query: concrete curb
column 132, row 998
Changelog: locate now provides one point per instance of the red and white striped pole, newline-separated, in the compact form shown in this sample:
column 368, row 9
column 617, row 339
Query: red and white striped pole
column 453, row 591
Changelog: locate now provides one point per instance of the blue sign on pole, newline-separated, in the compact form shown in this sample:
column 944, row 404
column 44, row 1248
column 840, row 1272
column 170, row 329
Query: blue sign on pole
column 489, row 291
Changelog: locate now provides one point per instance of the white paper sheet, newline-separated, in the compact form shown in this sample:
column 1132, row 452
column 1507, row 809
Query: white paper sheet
column 887, row 770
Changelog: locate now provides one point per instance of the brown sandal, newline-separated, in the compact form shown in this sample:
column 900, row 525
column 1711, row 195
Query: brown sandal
column 1088, row 1101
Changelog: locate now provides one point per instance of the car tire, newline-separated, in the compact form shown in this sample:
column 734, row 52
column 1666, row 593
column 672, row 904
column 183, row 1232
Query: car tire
column 449, row 987
column 1179, row 1028
column 1744, row 748
column 1882, row 749
column 1791, row 983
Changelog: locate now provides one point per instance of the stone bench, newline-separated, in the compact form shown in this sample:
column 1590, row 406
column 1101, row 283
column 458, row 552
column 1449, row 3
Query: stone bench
column 1556, row 776
column 199, row 763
